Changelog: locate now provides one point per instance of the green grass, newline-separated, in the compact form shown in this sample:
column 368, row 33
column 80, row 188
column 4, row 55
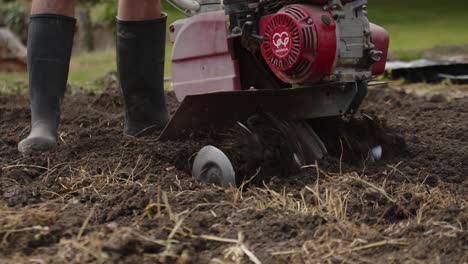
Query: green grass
column 89, row 66
column 421, row 24
column 84, row 69
column 13, row 76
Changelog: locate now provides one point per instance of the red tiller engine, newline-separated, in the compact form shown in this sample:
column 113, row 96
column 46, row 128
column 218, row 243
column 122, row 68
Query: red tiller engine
column 305, row 65
column 300, row 60
column 312, row 43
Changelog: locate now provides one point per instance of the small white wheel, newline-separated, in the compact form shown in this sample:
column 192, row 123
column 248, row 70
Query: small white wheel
column 376, row 153
column 212, row 166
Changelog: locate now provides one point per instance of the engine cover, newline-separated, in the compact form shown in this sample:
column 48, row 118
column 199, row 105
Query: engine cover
column 299, row 43
column 309, row 43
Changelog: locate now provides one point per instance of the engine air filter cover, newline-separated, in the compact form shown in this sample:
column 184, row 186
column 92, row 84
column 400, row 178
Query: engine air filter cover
column 299, row 43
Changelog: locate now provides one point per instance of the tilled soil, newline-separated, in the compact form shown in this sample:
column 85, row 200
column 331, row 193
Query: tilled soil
column 105, row 198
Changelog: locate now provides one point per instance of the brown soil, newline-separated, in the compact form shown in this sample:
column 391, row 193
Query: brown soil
column 104, row 198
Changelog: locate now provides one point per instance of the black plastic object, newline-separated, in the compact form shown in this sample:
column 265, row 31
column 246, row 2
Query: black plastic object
column 426, row 70
column 140, row 64
column 50, row 40
column 212, row 166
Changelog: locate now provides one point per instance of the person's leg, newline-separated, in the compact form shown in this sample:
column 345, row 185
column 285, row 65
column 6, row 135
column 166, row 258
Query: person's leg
column 57, row 7
column 141, row 40
column 136, row 10
column 50, row 40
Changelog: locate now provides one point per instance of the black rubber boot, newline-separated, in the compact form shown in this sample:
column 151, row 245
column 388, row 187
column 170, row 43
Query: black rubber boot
column 140, row 64
column 50, row 40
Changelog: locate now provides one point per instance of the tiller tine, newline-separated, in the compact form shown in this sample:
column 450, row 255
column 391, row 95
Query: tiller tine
column 204, row 111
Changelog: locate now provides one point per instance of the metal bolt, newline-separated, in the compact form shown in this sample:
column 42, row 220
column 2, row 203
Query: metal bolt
column 375, row 55
column 326, row 20
column 310, row 21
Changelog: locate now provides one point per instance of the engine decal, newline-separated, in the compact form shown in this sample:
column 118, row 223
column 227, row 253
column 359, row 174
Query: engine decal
column 281, row 41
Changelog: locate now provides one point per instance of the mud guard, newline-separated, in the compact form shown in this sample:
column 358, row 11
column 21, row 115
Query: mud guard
column 204, row 111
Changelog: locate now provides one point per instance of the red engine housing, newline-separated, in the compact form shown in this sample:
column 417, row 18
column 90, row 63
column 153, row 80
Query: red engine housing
column 299, row 43
column 306, row 44
column 381, row 40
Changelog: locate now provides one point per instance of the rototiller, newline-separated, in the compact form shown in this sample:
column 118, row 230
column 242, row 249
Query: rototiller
column 295, row 60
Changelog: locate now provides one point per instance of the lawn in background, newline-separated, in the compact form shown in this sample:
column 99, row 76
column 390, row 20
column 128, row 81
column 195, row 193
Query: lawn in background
column 421, row 24
column 413, row 25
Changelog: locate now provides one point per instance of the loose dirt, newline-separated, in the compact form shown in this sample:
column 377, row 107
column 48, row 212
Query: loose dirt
column 105, row 198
